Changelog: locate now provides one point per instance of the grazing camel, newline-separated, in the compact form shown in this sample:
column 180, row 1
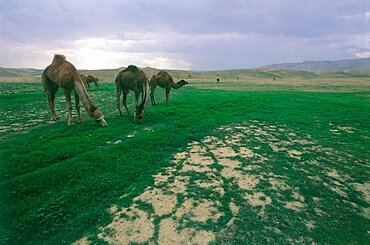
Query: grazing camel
column 61, row 73
column 90, row 79
column 132, row 78
column 164, row 80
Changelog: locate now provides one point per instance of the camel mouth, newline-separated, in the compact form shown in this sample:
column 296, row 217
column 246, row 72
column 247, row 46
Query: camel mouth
column 102, row 121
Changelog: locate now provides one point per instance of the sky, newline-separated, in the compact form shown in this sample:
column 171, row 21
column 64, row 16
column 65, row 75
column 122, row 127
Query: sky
column 182, row 34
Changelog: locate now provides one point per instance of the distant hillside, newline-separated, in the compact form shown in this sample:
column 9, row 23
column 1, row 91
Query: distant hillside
column 19, row 72
column 323, row 66
column 108, row 75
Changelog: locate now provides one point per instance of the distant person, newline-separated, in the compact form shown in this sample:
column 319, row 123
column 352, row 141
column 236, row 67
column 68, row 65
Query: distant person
column 237, row 79
column 274, row 79
column 218, row 80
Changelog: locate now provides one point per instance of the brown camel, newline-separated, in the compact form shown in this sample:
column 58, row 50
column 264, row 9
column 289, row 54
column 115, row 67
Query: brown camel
column 61, row 73
column 164, row 80
column 132, row 78
column 90, row 79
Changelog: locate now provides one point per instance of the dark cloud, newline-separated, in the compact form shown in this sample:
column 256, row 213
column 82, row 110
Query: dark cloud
column 208, row 34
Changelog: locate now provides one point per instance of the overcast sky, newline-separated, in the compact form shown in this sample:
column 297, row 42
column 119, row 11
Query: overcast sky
column 185, row 34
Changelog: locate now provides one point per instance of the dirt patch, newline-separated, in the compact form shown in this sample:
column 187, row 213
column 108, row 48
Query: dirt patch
column 278, row 184
column 229, row 163
column 245, row 152
column 310, row 225
column 364, row 189
column 170, row 234
column 128, row 226
column 258, row 199
column 82, row 241
column 335, row 189
column 294, row 154
column 349, row 130
column 199, row 211
column 296, row 206
column 211, row 184
column 162, row 204
column 334, row 174
column 195, row 193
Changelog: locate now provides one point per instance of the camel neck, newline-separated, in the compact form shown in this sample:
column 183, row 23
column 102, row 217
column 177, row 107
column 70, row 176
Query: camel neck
column 84, row 97
column 177, row 85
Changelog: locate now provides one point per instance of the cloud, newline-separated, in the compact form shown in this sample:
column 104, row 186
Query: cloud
column 358, row 16
column 208, row 34
column 365, row 54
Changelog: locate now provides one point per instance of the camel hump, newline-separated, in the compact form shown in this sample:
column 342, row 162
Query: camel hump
column 163, row 73
column 91, row 77
column 59, row 58
column 132, row 68
column 164, row 76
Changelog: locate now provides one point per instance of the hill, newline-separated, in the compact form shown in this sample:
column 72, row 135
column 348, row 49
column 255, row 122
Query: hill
column 287, row 71
column 33, row 75
column 324, row 66
column 19, row 72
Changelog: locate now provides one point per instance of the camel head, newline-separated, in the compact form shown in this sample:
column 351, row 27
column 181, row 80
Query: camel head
column 98, row 117
column 96, row 81
column 139, row 115
column 182, row 82
column 140, row 111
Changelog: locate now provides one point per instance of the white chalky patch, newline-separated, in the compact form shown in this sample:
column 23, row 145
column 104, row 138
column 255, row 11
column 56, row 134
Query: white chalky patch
column 213, row 165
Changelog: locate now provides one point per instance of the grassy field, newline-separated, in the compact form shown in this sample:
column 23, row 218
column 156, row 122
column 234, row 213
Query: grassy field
column 233, row 163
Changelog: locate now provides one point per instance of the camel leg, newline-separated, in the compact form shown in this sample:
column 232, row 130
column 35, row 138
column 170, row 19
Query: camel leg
column 118, row 95
column 125, row 93
column 67, row 94
column 78, row 108
column 152, row 88
column 168, row 90
column 55, row 89
column 137, row 94
column 51, row 99
column 50, row 90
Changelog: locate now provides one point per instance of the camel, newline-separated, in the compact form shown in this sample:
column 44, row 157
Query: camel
column 132, row 78
column 61, row 73
column 90, row 79
column 164, row 80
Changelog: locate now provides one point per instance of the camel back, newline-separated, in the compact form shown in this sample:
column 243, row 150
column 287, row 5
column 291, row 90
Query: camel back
column 65, row 75
column 131, row 68
column 162, row 76
column 132, row 78
column 91, row 79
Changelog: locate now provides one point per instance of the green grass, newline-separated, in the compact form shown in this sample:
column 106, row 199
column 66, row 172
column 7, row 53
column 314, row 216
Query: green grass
column 58, row 181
